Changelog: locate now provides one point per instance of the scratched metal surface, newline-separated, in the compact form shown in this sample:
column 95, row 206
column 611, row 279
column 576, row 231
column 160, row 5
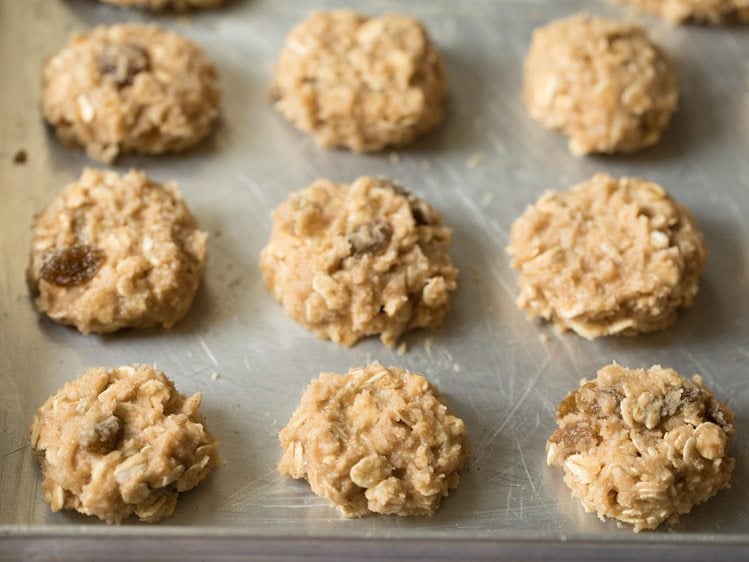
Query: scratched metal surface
column 502, row 374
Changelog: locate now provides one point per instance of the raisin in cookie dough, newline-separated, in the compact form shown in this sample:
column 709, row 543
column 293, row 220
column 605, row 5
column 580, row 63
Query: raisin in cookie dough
column 714, row 12
column 115, row 252
column 351, row 261
column 360, row 83
column 130, row 88
column 156, row 5
column 607, row 257
column 642, row 446
column 602, row 83
column 375, row 440
column 117, row 442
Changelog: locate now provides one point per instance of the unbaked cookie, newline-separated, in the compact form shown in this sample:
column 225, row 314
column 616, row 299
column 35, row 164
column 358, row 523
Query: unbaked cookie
column 375, row 440
column 115, row 252
column 642, row 446
column 713, row 12
column 603, row 83
column 607, row 257
column 350, row 261
column 360, row 83
column 116, row 442
column 130, row 88
column 177, row 5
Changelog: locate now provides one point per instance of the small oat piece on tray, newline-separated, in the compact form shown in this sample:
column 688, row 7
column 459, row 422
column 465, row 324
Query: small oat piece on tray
column 713, row 12
column 176, row 5
column 601, row 82
column 351, row 261
column 642, row 446
column 130, row 88
column 607, row 257
column 360, row 83
column 375, row 440
column 115, row 252
column 117, row 442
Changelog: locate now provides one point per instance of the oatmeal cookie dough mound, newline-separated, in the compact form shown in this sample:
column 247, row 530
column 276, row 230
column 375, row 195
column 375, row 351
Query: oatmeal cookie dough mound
column 115, row 252
column 177, row 5
column 350, row 261
column 130, row 88
column 713, row 12
column 642, row 446
column 603, row 83
column 607, row 257
column 360, row 83
column 375, row 440
column 116, row 442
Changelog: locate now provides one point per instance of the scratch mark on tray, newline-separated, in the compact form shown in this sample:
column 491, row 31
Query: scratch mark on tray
column 703, row 371
column 525, row 467
column 305, row 504
column 487, row 441
column 570, row 352
column 9, row 453
column 507, row 510
column 208, row 351
column 250, row 488
column 473, row 405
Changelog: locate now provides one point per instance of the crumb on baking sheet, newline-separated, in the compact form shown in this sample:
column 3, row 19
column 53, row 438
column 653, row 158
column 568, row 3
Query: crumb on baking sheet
column 473, row 162
column 20, row 156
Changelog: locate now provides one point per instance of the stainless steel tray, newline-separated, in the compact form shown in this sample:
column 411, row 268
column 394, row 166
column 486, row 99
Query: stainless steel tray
column 502, row 374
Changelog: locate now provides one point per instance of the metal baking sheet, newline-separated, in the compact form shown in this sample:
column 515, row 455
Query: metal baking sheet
column 502, row 374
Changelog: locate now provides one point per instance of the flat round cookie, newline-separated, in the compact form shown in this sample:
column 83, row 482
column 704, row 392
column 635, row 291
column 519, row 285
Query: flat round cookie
column 115, row 252
column 117, row 442
column 642, row 446
column 714, row 12
column 176, row 5
column 360, row 83
column 602, row 83
column 130, row 88
column 607, row 257
column 351, row 261
column 375, row 440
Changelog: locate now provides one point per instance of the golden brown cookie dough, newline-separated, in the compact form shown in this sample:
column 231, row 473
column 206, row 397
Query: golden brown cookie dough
column 351, row 261
column 642, row 446
column 715, row 12
column 116, row 442
column 130, row 88
column 607, row 257
column 602, row 83
column 360, row 83
column 177, row 5
column 375, row 440
column 116, row 252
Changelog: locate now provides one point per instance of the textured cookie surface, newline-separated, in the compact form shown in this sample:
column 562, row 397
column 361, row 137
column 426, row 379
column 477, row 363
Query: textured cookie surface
column 607, row 257
column 360, row 83
column 177, row 5
column 602, row 83
column 115, row 252
column 350, row 261
column 117, row 442
column 130, row 88
column 375, row 440
column 713, row 12
column 642, row 446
